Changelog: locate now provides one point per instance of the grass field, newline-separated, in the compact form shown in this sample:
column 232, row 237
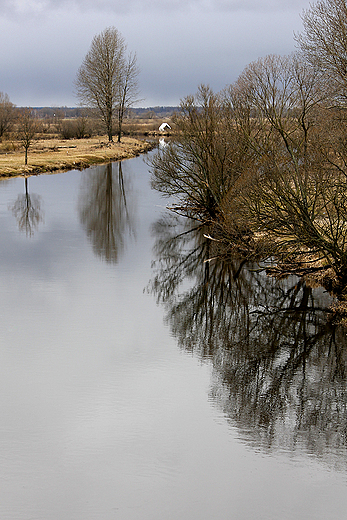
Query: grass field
column 55, row 154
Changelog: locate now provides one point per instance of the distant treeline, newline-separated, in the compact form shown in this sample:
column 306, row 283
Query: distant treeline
column 74, row 112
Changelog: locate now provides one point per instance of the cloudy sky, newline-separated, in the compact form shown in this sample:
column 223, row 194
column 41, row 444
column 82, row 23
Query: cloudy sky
column 179, row 43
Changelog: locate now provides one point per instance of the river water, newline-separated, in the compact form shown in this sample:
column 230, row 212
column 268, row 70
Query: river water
column 141, row 382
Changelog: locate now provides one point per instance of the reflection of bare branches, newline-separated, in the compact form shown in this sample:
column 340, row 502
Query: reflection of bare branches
column 105, row 212
column 27, row 211
column 272, row 376
column 280, row 367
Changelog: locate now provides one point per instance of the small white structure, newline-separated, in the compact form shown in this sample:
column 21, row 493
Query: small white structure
column 162, row 143
column 164, row 127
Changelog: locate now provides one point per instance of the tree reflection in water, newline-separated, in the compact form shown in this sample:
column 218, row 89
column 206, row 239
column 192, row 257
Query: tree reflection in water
column 279, row 365
column 27, row 210
column 104, row 210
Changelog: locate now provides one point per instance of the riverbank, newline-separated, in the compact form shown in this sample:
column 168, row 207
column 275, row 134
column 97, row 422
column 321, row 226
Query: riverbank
column 53, row 155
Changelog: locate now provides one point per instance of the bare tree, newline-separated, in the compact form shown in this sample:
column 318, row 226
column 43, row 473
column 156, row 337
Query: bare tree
column 107, row 79
column 324, row 40
column 6, row 113
column 27, row 129
column 298, row 192
column 128, row 89
column 196, row 168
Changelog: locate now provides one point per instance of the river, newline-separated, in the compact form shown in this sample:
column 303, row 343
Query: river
column 141, row 382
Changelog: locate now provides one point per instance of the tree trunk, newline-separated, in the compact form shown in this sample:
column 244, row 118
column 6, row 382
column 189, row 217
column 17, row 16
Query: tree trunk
column 109, row 124
column 120, row 120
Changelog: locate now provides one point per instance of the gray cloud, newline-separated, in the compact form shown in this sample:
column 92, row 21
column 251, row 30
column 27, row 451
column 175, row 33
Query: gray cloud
column 38, row 7
column 179, row 45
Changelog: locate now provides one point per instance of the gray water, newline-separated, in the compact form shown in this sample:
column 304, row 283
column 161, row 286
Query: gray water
column 140, row 382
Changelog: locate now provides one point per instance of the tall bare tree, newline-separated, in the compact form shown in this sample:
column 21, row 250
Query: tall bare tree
column 128, row 88
column 298, row 191
column 107, row 80
column 324, row 40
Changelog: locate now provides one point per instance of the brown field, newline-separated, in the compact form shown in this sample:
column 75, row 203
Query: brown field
column 55, row 154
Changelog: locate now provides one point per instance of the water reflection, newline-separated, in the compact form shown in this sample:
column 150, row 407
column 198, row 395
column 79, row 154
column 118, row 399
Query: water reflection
column 104, row 210
column 279, row 365
column 27, row 209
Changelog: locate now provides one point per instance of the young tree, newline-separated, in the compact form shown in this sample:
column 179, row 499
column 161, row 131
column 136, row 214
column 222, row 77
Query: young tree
column 6, row 113
column 27, row 129
column 107, row 80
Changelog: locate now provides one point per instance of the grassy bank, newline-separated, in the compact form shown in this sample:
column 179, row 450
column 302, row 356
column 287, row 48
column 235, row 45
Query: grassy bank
column 48, row 155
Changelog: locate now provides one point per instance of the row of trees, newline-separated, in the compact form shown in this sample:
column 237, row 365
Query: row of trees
column 266, row 159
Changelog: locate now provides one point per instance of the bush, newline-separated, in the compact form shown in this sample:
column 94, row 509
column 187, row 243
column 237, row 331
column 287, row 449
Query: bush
column 75, row 128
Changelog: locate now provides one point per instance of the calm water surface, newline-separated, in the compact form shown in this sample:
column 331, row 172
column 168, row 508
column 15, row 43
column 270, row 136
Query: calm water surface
column 139, row 382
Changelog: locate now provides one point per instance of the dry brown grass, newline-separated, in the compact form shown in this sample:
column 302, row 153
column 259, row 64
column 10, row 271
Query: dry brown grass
column 47, row 155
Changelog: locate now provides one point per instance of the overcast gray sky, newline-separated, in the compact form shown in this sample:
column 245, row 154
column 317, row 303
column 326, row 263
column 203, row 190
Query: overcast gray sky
column 179, row 43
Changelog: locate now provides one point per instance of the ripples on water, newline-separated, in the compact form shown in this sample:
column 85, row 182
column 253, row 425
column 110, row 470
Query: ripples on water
column 139, row 381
